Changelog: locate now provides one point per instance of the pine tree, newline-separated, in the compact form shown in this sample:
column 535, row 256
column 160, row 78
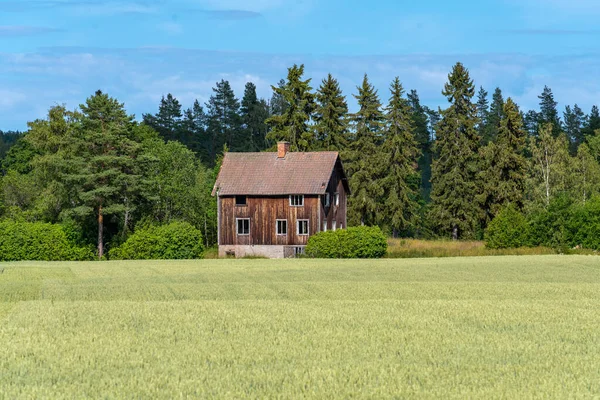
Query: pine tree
column 530, row 122
column 254, row 113
column 167, row 122
column 574, row 120
column 455, row 165
column 592, row 123
column 293, row 124
column 278, row 105
column 482, row 113
column 400, row 156
column 548, row 111
column 423, row 135
column 494, row 117
column 224, row 123
column 331, row 116
column 194, row 131
column 504, row 166
column 365, row 165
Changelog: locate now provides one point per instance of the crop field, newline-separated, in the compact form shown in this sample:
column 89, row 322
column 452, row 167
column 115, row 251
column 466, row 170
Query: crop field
column 484, row 327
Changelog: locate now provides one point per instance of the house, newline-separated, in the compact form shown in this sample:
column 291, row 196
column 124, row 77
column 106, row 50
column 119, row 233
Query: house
column 270, row 203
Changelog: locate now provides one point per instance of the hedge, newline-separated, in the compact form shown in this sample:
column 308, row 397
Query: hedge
column 177, row 240
column 357, row 242
column 37, row 241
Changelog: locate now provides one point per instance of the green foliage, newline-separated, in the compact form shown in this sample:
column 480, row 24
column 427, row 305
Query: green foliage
column 509, row 229
column 357, row 242
column 38, row 242
column 177, row 240
column 583, row 226
column 331, row 124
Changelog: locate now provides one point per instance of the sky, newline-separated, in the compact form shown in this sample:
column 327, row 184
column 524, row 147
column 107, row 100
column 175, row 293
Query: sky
column 62, row 51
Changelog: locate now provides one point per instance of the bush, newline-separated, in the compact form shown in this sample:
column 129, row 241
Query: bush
column 583, row 227
column 509, row 229
column 175, row 241
column 36, row 241
column 358, row 242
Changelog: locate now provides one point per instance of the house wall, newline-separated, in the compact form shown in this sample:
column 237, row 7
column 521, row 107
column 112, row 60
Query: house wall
column 263, row 213
column 333, row 212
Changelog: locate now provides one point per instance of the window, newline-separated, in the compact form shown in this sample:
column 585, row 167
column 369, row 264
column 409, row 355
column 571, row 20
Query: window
column 240, row 200
column 325, row 226
column 302, row 227
column 334, row 223
column 336, row 199
column 296, row 200
column 298, row 251
column 281, row 227
column 326, row 199
column 243, row 226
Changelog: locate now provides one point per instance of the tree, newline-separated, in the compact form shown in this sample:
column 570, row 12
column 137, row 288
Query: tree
column 293, row 124
column 586, row 173
column 254, row 112
column 400, row 156
column 504, row 166
column 592, row 123
column 423, row 135
column 224, row 123
column 549, row 155
column 574, row 121
column 331, row 113
column 193, row 129
column 364, row 161
column 494, row 117
column 455, row 165
column 482, row 112
column 278, row 105
column 167, row 122
column 548, row 111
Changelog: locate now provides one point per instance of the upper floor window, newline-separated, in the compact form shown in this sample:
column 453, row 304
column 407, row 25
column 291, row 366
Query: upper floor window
column 302, row 227
column 336, row 199
column 243, row 226
column 281, row 227
column 296, row 200
column 241, row 200
column 327, row 199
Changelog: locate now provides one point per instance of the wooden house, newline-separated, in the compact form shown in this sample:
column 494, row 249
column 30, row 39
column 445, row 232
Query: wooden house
column 270, row 203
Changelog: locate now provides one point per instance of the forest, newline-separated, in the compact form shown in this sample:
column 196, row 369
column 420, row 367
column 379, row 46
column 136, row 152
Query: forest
column 477, row 167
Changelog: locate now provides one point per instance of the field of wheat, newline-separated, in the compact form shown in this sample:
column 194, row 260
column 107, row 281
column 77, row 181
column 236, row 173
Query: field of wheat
column 485, row 327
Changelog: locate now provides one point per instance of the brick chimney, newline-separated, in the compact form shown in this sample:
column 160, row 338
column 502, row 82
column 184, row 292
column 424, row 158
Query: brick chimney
column 282, row 149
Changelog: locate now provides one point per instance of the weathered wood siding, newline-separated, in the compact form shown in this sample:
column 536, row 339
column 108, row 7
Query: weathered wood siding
column 263, row 213
column 333, row 212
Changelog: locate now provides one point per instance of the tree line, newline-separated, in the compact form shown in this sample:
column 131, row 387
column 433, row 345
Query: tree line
column 413, row 170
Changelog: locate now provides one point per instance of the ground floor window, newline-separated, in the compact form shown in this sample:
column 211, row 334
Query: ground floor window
column 298, row 251
column 243, row 226
column 281, row 227
column 302, row 227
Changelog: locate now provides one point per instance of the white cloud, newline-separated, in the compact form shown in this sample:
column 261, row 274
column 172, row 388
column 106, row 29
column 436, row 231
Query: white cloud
column 10, row 98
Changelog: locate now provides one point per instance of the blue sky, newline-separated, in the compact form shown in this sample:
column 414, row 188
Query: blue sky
column 61, row 51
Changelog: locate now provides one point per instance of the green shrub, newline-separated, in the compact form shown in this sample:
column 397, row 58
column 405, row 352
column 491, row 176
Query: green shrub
column 36, row 241
column 358, row 242
column 175, row 241
column 509, row 229
column 583, row 226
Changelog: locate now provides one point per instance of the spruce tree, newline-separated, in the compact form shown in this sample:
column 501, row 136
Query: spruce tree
column 278, row 105
column 423, row 135
column 548, row 112
column 254, row 113
column 574, row 120
column 224, row 123
column 482, row 113
column 167, row 122
column 592, row 123
column 331, row 116
column 194, row 131
column 400, row 155
column 504, row 166
column 494, row 117
column 365, row 164
column 454, row 169
column 293, row 124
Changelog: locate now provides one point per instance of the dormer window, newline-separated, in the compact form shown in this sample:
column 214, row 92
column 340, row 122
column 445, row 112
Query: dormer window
column 241, row 200
column 297, row 200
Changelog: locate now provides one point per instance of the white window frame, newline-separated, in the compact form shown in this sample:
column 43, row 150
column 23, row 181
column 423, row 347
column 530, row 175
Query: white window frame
column 336, row 199
column 277, row 221
column 237, row 226
column 299, row 197
column 298, row 227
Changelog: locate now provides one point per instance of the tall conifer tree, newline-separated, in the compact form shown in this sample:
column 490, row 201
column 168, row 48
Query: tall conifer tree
column 455, row 165
column 482, row 112
column 574, row 123
column 224, row 123
column 400, row 156
column 254, row 112
column 494, row 117
column 548, row 112
column 331, row 116
column 167, row 122
column 423, row 135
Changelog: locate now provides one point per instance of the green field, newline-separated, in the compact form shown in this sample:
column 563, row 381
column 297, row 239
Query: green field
column 485, row 327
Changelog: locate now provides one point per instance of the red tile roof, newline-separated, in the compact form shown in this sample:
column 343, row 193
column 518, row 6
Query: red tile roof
column 265, row 174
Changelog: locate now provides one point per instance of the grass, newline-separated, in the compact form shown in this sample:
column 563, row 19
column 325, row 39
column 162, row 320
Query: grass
column 484, row 327
column 416, row 248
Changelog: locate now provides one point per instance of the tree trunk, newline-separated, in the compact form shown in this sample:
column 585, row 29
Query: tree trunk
column 455, row 232
column 100, row 233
